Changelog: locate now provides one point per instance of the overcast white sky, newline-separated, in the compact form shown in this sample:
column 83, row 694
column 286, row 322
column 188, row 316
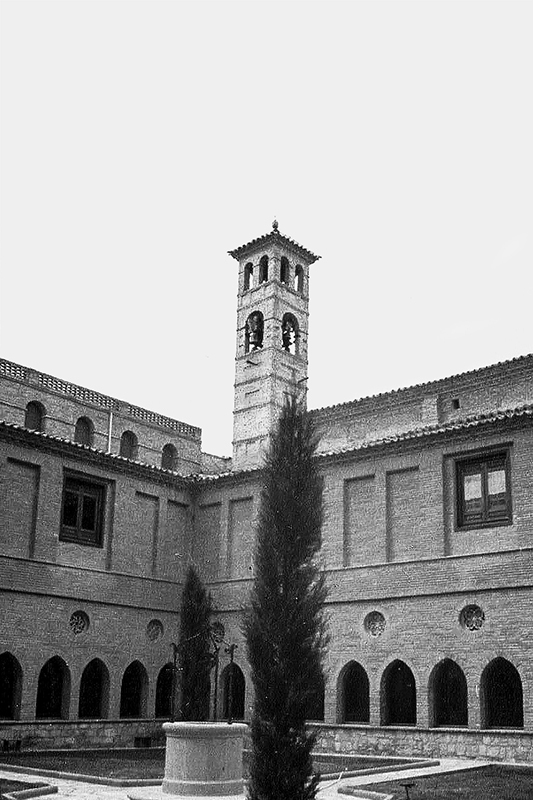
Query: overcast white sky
column 142, row 140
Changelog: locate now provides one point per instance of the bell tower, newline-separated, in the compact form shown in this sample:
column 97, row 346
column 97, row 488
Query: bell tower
column 271, row 348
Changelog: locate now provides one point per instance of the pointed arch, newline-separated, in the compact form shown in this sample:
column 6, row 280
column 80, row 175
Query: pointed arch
column 34, row 417
column 163, row 692
column 398, row 695
column 233, row 692
column 448, row 695
column 316, row 702
column 501, row 695
column 134, row 691
column 94, row 691
column 53, row 690
column 84, row 431
column 10, row 686
column 353, row 694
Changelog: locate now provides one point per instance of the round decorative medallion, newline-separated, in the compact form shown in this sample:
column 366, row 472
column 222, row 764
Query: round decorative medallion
column 154, row 630
column 472, row 617
column 374, row 623
column 79, row 622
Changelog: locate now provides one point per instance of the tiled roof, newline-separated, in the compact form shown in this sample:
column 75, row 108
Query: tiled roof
column 115, row 457
column 424, row 385
column 473, row 421
column 276, row 236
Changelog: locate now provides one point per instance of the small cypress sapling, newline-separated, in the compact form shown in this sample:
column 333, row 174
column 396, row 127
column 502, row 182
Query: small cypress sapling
column 285, row 624
column 195, row 658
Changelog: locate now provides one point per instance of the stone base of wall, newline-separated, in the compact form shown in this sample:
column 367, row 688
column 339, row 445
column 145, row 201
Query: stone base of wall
column 64, row 734
column 493, row 745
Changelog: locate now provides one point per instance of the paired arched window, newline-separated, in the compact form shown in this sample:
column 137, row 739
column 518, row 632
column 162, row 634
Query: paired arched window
column 169, row 457
column 128, row 445
column 501, row 696
column 94, row 691
column 289, row 333
column 253, row 334
column 448, row 697
column 353, row 694
column 134, row 691
column 233, row 691
column 163, row 692
column 248, row 277
column 84, row 431
column 398, row 695
column 10, row 686
column 284, row 270
column 299, row 279
column 263, row 269
column 53, row 690
column 34, row 417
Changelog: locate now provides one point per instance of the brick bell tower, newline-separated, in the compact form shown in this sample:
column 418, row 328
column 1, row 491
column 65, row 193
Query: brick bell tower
column 272, row 327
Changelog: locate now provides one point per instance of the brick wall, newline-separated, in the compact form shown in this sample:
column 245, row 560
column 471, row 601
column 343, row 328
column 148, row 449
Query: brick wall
column 64, row 407
column 146, row 524
column 500, row 386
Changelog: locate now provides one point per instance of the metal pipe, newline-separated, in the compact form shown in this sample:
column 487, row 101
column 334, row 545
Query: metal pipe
column 109, row 430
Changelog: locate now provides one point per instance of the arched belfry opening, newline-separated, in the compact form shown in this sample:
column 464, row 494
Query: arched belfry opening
column 253, row 333
column 263, row 269
column 290, row 333
column 248, row 277
column 284, row 268
column 299, row 279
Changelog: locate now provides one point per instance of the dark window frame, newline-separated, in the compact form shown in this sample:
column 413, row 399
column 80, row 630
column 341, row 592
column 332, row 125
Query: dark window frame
column 86, row 487
column 482, row 462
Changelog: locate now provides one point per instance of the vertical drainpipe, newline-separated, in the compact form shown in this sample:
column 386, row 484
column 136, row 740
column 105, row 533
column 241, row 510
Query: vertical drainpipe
column 109, row 429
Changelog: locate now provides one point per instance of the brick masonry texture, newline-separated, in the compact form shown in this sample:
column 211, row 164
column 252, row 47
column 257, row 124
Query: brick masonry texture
column 391, row 540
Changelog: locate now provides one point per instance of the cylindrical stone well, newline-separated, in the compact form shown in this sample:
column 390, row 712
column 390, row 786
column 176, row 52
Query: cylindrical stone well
column 203, row 758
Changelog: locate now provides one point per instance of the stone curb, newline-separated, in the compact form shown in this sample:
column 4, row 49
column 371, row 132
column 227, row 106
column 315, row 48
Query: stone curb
column 421, row 764
column 79, row 776
column 36, row 791
column 363, row 794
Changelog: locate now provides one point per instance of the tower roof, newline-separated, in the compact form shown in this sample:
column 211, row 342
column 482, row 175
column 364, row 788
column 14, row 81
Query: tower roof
column 274, row 236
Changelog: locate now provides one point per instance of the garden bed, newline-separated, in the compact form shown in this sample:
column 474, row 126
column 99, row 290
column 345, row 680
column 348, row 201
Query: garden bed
column 148, row 764
column 493, row 782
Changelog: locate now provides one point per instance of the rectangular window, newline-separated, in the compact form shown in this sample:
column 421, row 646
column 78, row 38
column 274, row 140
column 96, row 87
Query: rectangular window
column 82, row 511
column 484, row 490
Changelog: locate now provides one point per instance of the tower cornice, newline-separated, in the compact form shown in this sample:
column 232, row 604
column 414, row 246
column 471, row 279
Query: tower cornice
column 274, row 237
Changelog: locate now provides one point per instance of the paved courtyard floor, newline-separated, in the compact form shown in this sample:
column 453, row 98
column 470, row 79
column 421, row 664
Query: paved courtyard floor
column 78, row 790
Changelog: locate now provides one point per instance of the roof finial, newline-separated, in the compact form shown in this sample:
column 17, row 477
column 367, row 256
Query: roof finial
column 275, row 226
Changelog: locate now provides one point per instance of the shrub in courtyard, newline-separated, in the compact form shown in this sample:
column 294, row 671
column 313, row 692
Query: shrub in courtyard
column 285, row 625
column 195, row 659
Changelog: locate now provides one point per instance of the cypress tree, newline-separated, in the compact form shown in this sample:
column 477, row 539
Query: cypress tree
column 285, row 624
column 195, row 659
